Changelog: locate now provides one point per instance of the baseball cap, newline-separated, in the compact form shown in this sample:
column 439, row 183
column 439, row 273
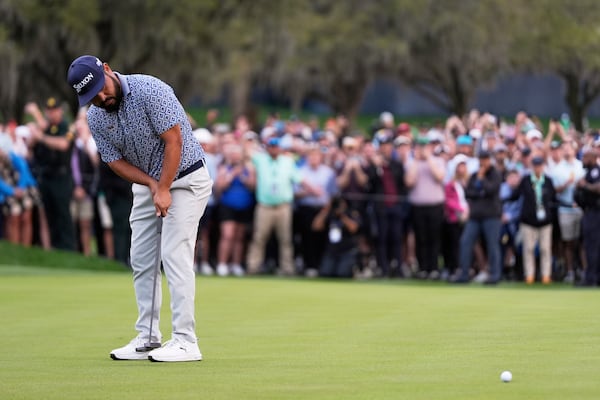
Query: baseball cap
column 349, row 141
column 250, row 135
column 386, row 117
column 460, row 158
column 274, row 142
column 484, row 154
column 383, row 136
column 537, row 160
column 464, row 140
column 435, row 135
column 203, row 135
column 534, row 134
column 422, row 140
column 86, row 76
column 403, row 127
column 475, row 133
column 52, row 103
column 500, row 147
column 385, row 140
column 400, row 140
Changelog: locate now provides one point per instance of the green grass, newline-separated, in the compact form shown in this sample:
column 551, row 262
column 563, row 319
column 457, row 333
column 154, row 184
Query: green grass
column 55, row 260
column 269, row 338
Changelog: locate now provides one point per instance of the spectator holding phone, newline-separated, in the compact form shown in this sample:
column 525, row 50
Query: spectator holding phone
column 483, row 196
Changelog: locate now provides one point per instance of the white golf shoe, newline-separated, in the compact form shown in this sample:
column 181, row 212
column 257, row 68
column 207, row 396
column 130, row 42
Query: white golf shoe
column 129, row 352
column 176, row 350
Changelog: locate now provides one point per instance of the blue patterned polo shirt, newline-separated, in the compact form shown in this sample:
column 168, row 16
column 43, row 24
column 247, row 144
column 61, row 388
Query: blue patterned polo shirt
column 148, row 109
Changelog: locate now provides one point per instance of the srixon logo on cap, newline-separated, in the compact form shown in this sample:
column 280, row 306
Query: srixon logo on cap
column 84, row 81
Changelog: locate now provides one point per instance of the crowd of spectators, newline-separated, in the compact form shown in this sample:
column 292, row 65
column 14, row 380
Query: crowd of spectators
column 470, row 199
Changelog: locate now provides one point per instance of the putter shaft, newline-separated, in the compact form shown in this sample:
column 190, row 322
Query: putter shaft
column 150, row 344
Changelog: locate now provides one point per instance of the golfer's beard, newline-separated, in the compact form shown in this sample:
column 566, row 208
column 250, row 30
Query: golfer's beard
column 117, row 98
column 114, row 105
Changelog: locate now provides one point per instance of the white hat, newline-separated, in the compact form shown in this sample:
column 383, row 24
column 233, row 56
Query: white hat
column 386, row 117
column 534, row 134
column 306, row 133
column 23, row 131
column 349, row 141
column 5, row 143
column 222, row 128
column 286, row 142
column 475, row 133
column 267, row 132
column 460, row 158
column 250, row 135
column 456, row 160
column 203, row 135
column 400, row 140
column 435, row 135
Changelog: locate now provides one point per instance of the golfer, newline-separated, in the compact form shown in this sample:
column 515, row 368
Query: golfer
column 143, row 134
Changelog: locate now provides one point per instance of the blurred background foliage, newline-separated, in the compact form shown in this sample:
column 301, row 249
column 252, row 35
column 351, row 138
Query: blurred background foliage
column 324, row 50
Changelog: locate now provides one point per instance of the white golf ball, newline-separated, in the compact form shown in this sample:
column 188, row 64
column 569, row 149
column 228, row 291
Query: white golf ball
column 506, row 376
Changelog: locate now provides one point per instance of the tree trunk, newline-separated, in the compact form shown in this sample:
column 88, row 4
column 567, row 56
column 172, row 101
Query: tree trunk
column 241, row 87
column 239, row 97
column 296, row 100
column 458, row 94
column 572, row 97
column 347, row 98
column 579, row 96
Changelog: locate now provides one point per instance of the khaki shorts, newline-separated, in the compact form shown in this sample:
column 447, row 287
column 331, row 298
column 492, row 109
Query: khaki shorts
column 82, row 209
column 570, row 224
column 104, row 213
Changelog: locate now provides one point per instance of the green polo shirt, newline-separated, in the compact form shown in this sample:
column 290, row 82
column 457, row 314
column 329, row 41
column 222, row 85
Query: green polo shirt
column 275, row 179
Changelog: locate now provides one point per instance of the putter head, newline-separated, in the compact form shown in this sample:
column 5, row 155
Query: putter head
column 148, row 347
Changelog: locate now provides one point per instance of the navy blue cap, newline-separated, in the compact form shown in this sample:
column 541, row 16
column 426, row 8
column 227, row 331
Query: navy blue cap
column 485, row 154
column 86, row 76
column 537, row 160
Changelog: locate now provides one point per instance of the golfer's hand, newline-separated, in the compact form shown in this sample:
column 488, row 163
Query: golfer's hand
column 162, row 201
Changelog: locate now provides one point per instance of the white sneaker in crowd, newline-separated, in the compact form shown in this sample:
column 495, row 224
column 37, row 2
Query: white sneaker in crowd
column 176, row 350
column 434, row 275
column 129, row 352
column 367, row 273
column 206, row 269
column 481, row 277
column 237, row 270
column 569, row 278
column 222, row 269
column 311, row 273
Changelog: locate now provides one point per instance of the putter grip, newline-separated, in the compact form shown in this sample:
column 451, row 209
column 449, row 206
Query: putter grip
column 159, row 225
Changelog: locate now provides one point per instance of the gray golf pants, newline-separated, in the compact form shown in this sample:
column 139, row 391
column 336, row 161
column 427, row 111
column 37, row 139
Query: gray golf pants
column 189, row 196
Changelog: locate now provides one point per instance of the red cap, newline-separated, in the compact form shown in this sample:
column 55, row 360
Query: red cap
column 403, row 127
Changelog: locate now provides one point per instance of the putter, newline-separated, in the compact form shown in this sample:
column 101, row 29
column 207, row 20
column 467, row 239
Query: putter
column 150, row 345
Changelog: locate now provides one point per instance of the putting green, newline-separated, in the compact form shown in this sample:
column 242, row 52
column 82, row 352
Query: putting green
column 268, row 338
